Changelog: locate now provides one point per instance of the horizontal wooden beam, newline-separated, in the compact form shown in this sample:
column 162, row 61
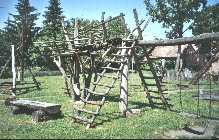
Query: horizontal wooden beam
column 180, row 41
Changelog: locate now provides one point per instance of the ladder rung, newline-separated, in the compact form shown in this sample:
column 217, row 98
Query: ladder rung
column 110, row 68
column 164, row 90
column 159, row 98
column 141, row 63
column 151, row 85
column 91, row 102
column 95, row 93
column 120, row 55
column 147, row 77
column 123, row 47
column 146, row 69
column 108, row 76
column 153, row 91
column 104, row 85
column 112, row 61
column 86, row 111
column 82, row 119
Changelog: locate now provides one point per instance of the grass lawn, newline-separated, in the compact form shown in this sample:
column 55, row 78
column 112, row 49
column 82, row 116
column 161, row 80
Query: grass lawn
column 110, row 124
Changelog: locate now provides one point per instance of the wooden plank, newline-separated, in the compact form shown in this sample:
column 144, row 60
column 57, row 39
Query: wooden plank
column 103, row 27
column 137, row 24
column 50, row 108
column 25, row 102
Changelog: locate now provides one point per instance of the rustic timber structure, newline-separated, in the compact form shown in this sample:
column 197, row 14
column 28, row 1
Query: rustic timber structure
column 91, row 96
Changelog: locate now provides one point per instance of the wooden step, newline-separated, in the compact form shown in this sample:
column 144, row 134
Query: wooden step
column 151, row 85
column 114, row 61
column 146, row 69
column 104, row 85
column 153, row 97
column 95, row 93
column 110, row 68
column 82, row 119
column 123, row 47
column 86, row 111
column 156, row 91
column 108, row 76
column 92, row 102
column 147, row 77
column 119, row 55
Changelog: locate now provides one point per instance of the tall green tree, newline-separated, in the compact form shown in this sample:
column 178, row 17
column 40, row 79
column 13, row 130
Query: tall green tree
column 52, row 30
column 11, row 32
column 206, row 22
column 53, row 19
column 173, row 14
column 201, row 25
column 25, row 22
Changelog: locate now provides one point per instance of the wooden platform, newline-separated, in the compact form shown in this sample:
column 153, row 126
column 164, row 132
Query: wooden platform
column 36, row 105
column 40, row 110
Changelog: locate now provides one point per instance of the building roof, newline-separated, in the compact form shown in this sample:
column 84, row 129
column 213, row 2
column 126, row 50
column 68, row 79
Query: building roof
column 167, row 51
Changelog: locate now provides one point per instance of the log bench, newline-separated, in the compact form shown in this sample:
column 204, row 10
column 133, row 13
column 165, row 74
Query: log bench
column 40, row 110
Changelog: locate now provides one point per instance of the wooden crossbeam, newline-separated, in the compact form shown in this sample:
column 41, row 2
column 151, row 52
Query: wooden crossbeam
column 180, row 41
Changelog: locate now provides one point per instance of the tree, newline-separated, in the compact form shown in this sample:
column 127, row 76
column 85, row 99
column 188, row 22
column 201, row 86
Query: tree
column 23, row 28
column 201, row 25
column 173, row 14
column 52, row 30
column 53, row 19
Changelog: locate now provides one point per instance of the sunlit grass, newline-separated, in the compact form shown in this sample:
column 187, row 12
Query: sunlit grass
column 151, row 123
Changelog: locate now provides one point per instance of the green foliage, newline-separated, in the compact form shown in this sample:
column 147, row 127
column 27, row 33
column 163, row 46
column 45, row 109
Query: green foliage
column 201, row 25
column 53, row 20
column 174, row 13
column 207, row 21
column 115, row 29
column 25, row 21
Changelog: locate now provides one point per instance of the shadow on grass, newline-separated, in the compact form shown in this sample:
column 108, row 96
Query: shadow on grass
column 108, row 117
column 26, row 90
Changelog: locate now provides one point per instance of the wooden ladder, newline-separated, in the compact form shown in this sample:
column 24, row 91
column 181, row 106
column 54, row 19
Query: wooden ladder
column 95, row 99
column 155, row 91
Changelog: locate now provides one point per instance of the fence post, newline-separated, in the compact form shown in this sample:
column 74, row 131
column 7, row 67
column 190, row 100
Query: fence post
column 13, row 71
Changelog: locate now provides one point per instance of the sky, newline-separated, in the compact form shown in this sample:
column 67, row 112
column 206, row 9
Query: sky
column 92, row 9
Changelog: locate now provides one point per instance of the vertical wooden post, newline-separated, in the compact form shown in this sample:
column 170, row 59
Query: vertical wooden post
column 70, row 47
column 13, row 71
column 76, row 64
column 137, row 24
column 178, row 62
column 124, row 26
column 104, row 27
column 123, row 104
